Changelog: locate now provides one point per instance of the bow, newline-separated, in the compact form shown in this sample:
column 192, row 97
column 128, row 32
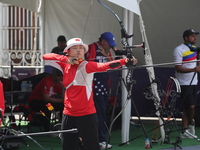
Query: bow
column 129, row 55
column 148, row 61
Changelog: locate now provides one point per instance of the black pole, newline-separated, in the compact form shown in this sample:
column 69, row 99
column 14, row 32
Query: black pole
column 11, row 89
column 129, row 97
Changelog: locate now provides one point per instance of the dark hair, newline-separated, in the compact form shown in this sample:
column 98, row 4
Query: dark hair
column 57, row 72
column 61, row 38
column 100, row 39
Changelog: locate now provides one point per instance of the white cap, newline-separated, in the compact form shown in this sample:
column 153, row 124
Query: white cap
column 75, row 41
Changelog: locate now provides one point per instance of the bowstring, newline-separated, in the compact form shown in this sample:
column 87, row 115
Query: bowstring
column 129, row 55
column 130, row 69
column 91, row 3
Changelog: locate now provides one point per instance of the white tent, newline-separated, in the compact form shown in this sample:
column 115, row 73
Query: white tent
column 164, row 22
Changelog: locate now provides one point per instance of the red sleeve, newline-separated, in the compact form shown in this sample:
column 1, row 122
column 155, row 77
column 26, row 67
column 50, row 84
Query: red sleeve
column 55, row 60
column 55, row 57
column 102, row 67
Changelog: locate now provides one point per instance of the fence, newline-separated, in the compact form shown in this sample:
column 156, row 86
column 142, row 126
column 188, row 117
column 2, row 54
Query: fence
column 20, row 31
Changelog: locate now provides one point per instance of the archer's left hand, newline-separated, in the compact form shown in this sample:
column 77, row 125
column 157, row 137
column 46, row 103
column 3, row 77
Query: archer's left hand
column 131, row 61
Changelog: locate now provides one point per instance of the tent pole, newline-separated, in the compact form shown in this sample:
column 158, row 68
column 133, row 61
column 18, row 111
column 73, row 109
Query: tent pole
column 150, row 70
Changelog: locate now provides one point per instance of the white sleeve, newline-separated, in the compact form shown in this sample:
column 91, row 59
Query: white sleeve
column 177, row 56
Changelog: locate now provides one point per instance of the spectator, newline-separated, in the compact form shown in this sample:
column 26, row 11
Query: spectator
column 100, row 52
column 186, row 73
column 61, row 42
column 48, row 90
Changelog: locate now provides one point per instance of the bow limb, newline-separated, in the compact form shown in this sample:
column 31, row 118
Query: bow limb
column 124, row 34
column 125, row 43
column 111, row 11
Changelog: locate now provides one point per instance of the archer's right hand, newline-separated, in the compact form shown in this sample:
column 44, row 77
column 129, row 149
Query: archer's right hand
column 72, row 61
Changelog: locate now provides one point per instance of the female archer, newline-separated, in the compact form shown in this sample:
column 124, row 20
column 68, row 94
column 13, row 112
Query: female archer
column 79, row 110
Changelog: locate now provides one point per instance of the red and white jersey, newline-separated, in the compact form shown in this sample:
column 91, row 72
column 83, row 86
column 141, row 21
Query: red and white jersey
column 45, row 86
column 78, row 79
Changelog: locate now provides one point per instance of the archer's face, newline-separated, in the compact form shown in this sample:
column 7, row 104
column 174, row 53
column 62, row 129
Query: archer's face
column 76, row 51
column 105, row 45
column 191, row 39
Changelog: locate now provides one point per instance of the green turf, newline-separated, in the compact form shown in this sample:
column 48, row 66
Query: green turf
column 54, row 143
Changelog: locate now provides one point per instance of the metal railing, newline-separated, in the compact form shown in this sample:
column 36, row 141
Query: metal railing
column 20, row 31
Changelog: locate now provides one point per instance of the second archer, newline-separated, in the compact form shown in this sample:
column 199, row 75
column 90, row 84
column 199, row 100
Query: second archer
column 100, row 52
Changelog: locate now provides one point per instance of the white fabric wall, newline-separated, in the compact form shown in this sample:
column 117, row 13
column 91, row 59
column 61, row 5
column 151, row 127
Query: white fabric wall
column 164, row 20
column 73, row 18
column 70, row 19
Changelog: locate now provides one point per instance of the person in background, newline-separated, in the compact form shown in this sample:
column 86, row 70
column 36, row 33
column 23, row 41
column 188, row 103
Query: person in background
column 79, row 110
column 61, row 42
column 186, row 73
column 48, row 90
column 100, row 52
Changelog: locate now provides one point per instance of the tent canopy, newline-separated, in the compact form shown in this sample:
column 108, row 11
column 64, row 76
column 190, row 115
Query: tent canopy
column 164, row 23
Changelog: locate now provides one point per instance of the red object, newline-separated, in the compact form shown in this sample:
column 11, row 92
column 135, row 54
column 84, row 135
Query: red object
column 2, row 102
column 45, row 86
column 28, row 113
column 6, row 84
column 147, row 147
column 147, row 144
